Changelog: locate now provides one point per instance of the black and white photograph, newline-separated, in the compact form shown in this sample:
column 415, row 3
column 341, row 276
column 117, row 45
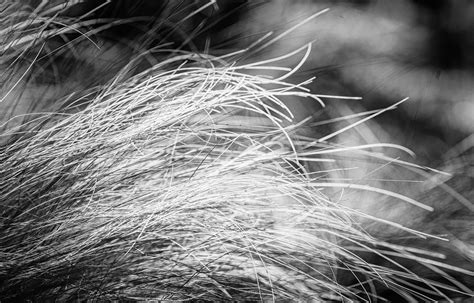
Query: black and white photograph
column 237, row 151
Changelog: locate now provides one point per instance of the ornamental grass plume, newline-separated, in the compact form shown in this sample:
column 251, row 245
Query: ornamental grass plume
column 186, row 179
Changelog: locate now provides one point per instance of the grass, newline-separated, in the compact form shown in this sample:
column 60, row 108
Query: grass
column 189, row 180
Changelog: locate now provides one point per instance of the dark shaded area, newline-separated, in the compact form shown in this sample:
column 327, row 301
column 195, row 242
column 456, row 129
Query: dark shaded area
column 449, row 38
column 146, row 16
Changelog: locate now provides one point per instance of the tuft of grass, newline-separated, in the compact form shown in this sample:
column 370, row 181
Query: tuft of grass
column 189, row 180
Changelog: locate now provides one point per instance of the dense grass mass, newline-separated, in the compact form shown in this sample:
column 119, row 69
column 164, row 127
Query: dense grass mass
column 180, row 175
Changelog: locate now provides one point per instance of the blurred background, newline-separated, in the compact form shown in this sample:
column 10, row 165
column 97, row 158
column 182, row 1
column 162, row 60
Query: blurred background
column 382, row 51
